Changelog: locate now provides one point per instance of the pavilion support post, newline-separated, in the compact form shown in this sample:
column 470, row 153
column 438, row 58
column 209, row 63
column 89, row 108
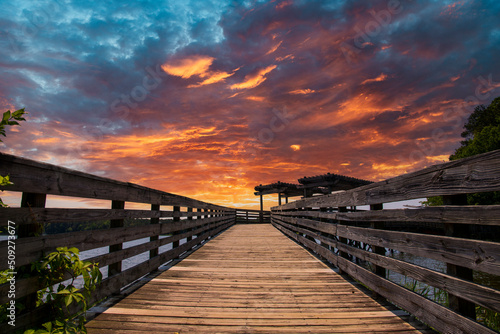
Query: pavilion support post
column 261, row 213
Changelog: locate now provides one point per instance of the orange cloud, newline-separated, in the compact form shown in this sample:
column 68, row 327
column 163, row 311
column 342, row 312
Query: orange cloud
column 302, row 91
column 253, row 80
column 274, row 48
column 47, row 140
column 290, row 56
column 255, row 98
column 381, row 77
column 196, row 66
column 188, row 67
column 213, row 77
column 295, row 147
column 154, row 144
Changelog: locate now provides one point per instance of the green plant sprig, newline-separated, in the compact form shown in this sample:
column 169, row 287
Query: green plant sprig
column 53, row 269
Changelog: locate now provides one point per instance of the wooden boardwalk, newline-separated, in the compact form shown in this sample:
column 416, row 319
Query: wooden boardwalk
column 250, row 279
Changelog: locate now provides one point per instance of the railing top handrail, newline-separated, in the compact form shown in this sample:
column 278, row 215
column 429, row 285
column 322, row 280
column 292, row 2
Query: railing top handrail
column 479, row 173
column 39, row 177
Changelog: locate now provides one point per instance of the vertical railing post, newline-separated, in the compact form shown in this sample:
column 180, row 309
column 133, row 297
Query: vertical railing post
column 380, row 271
column 116, row 267
column 30, row 200
column 189, row 218
column 154, row 252
column 177, row 218
column 343, row 241
column 457, row 304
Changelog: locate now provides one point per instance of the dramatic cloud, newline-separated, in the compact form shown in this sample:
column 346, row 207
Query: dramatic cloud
column 210, row 98
column 255, row 79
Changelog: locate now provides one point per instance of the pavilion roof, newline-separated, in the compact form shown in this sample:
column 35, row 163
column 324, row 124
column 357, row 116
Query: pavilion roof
column 319, row 184
column 333, row 181
column 289, row 189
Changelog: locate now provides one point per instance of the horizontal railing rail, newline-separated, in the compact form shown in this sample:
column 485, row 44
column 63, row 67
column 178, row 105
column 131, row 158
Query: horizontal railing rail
column 441, row 264
column 248, row 216
column 174, row 225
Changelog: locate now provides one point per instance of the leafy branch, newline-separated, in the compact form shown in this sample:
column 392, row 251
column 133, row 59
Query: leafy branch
column 51, row 270
column 9, row 119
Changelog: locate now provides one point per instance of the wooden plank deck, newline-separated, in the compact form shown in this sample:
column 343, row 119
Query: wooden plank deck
column 250, row 279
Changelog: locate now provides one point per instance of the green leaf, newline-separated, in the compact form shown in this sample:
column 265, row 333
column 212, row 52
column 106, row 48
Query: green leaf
column 68, row 300
column 18, row 112
column 6, row 116
column 48, row 326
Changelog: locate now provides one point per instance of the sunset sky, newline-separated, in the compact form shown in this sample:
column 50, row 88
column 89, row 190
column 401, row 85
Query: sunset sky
column 210, row 98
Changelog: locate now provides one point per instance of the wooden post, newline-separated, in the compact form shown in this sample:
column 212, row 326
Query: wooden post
column 261, row 214
column 343, row 241
column 116, row 268
column 30, row 200
column 189, row 218
column 286, row 198
column 279, row 199
column 177, row 219
column 154, row 252
column 457, row 304
column 380, row 271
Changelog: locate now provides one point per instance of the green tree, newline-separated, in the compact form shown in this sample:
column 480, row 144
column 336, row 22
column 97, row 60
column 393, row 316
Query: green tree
column 481, row 135
column 482, row 131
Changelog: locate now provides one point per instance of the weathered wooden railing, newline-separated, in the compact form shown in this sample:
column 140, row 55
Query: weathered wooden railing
column 360, row 243
column 175, row 224
column 247, row 216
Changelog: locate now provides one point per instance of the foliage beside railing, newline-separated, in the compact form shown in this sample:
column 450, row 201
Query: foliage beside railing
column 51, row 270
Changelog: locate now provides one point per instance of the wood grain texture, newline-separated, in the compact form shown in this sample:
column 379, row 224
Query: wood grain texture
column 480, row 173
column 23, row 216
column 476, row 215
column 250, row 279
